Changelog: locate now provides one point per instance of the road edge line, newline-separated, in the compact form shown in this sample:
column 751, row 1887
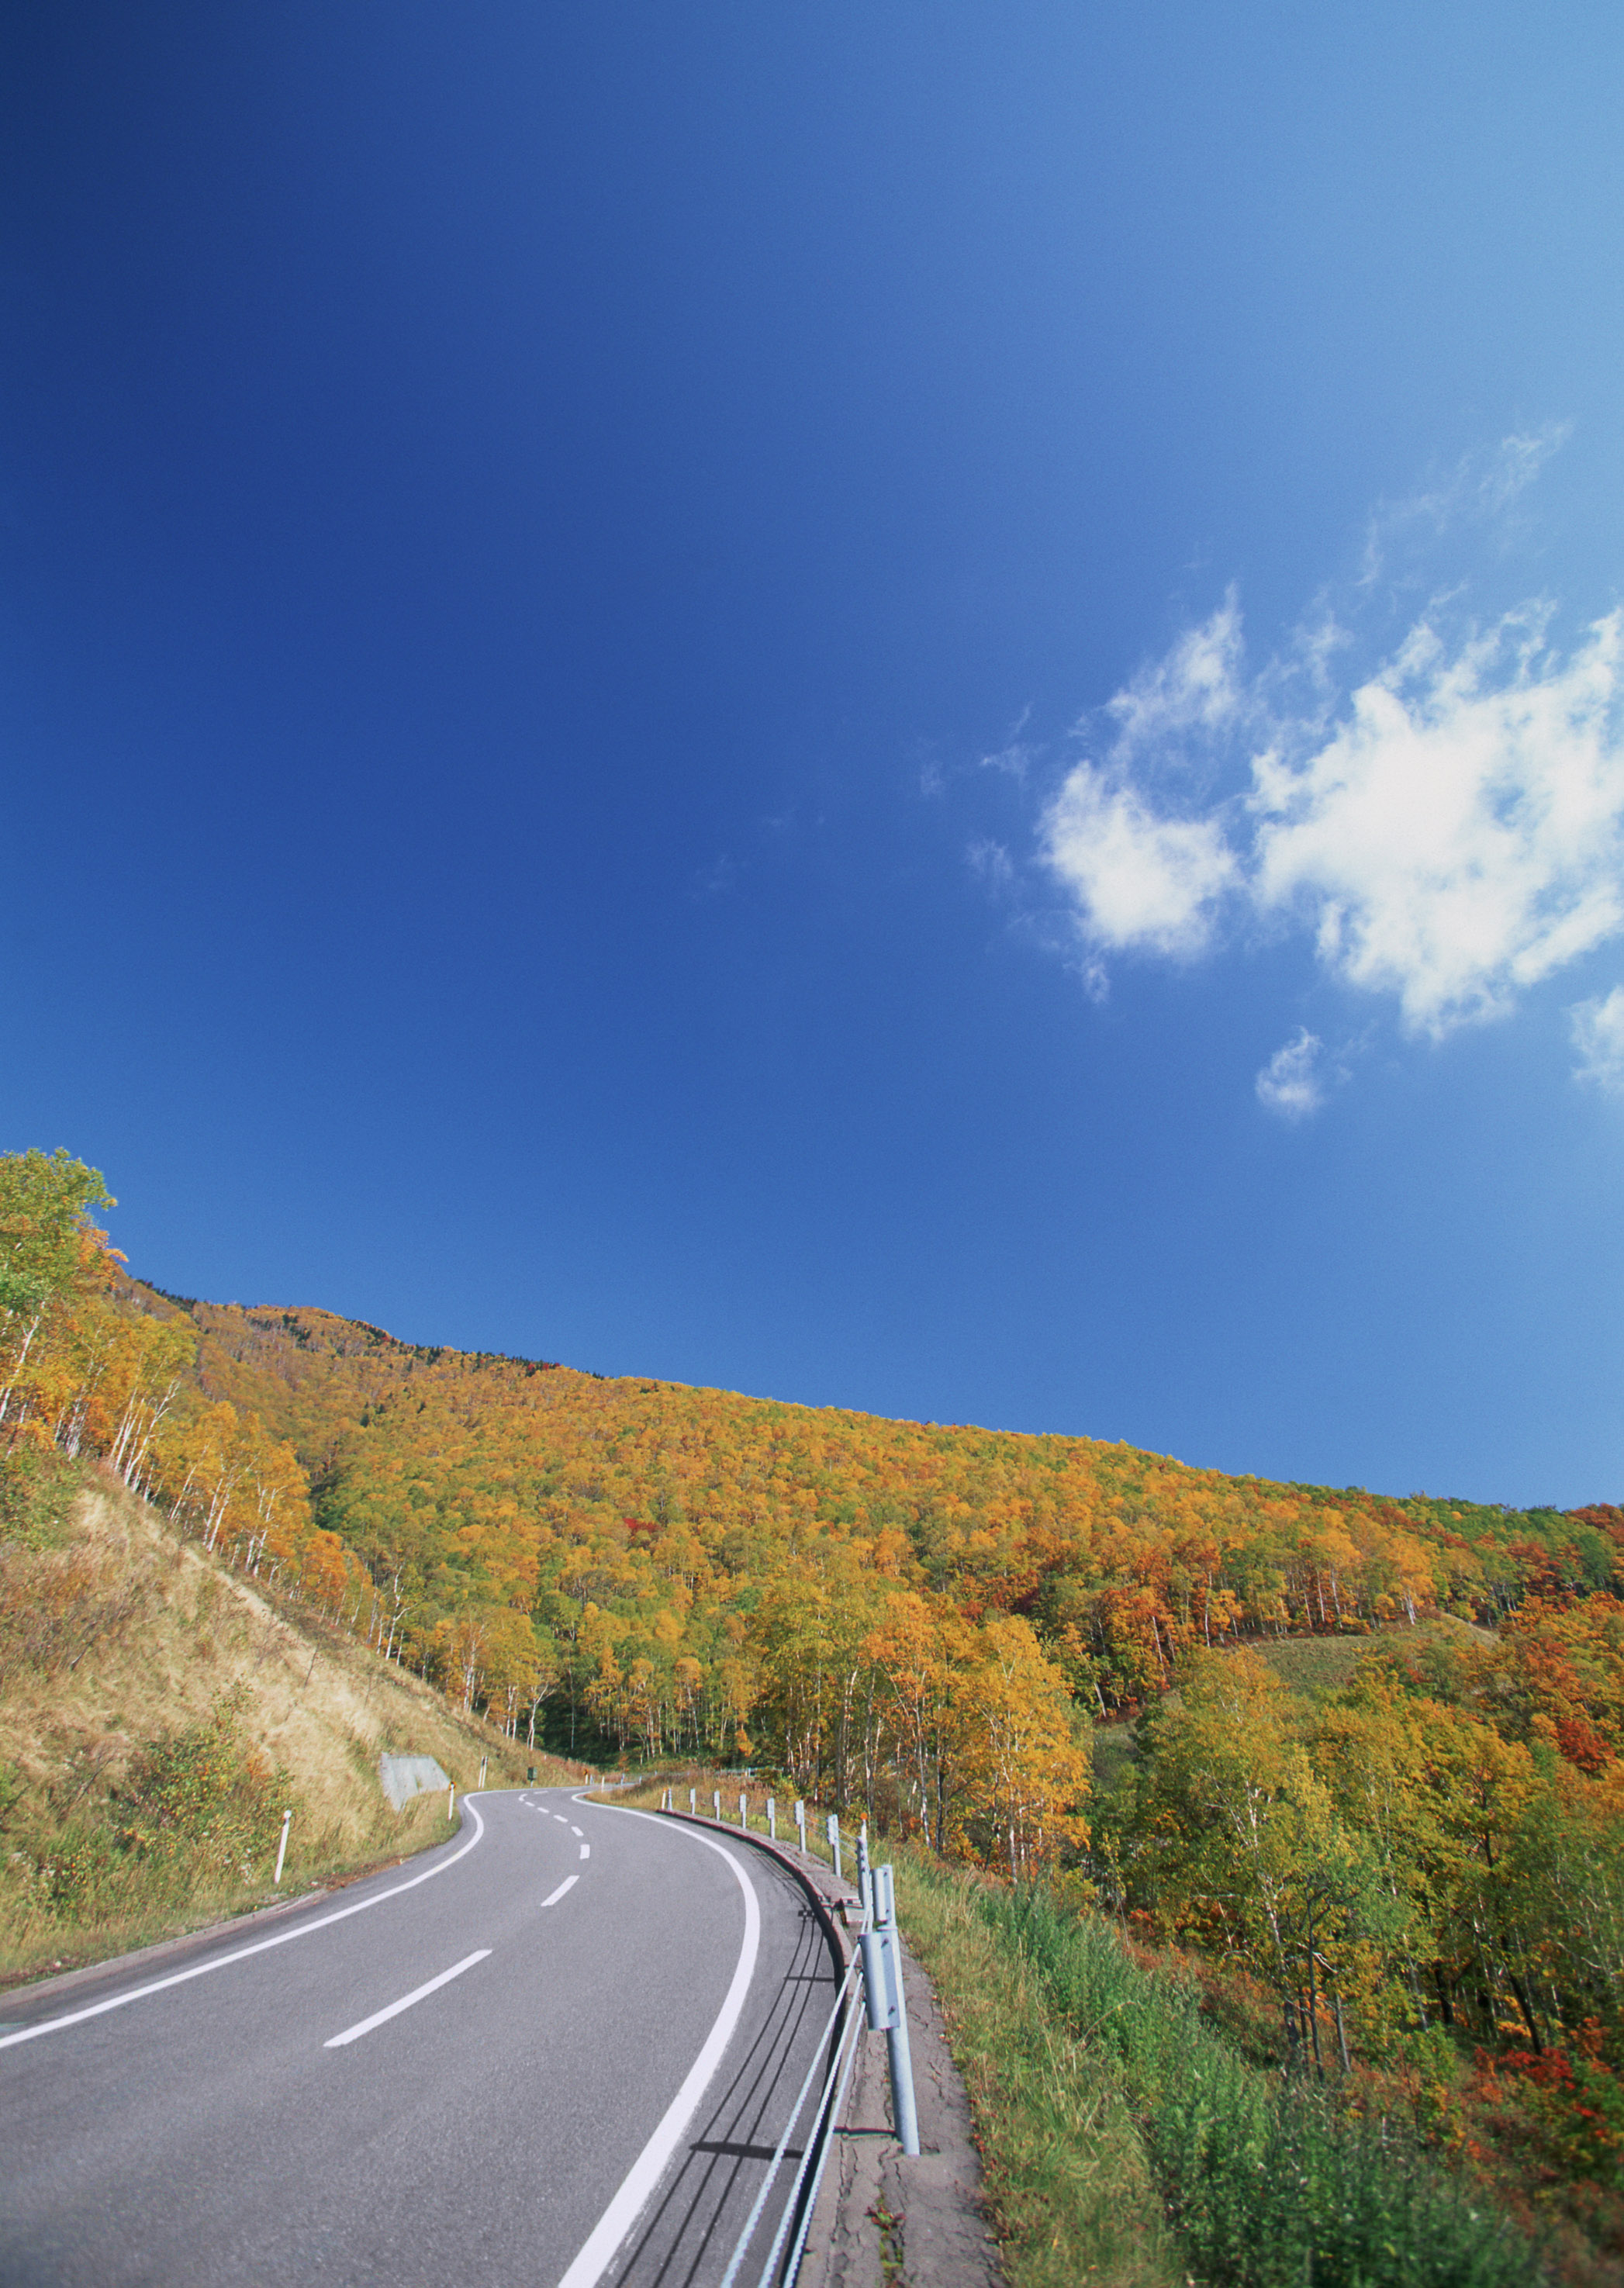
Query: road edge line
column 603, row 2243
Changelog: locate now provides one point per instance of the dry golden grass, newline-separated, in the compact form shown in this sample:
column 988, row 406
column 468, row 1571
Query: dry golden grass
column 123, row 1632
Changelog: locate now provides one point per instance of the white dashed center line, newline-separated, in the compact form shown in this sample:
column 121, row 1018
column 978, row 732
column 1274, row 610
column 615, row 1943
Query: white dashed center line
column 379, row 2017
column 586, row 1850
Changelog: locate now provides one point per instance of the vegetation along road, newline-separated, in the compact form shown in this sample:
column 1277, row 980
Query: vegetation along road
column 559, row 2048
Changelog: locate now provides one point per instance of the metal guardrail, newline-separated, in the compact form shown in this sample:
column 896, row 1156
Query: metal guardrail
column 877, row 1964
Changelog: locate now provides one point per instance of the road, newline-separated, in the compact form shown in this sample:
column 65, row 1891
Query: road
column 556, row 2050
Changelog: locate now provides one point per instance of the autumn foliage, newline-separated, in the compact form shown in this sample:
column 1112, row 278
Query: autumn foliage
column 923, row 1620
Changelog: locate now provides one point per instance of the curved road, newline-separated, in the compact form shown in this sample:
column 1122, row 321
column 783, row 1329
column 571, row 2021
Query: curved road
column 555, row 2051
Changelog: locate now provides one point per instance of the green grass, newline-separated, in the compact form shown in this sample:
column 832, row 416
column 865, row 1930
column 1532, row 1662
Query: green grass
column 1264, row 2184
column 1112, row 1748
column 1313, row 1665
column 1069, row 2184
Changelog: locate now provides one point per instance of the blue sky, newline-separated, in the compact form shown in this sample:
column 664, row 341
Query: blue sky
column 914, row 708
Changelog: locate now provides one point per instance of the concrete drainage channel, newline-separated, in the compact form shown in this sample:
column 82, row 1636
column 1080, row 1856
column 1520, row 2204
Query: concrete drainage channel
column 903, row 2199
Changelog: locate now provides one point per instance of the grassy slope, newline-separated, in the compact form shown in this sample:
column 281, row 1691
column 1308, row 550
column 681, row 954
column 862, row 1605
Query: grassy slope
column 119, row 1633
column 1311, row 1666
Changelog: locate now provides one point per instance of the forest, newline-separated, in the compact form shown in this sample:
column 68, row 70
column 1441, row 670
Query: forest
column 1043, row 1655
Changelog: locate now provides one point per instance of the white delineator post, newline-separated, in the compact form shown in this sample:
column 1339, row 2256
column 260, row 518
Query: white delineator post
column 744, row 1811
column 281, row 1849
column 772, row 1820
column 693, row 1801
column 800, row 1821
column 834, row 1836
column 450, row 1798
column 716, row 1803
column 482, row 1763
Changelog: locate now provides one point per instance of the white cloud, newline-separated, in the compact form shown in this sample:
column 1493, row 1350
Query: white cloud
column 1450, row 834
column 1138, row 880
column 1598, row 1027
column 1195, row 689
column 1461, row 836
column 1290, row 1083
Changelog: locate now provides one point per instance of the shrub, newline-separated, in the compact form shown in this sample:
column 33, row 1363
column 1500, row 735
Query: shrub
column 204, row 1792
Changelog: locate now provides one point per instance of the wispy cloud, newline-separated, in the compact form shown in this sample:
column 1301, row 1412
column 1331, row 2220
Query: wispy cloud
column 1196, row 688
column 1597, row 1028
column 1480, row 488
column 1291, row 1083
column 1015, row 758
column 993, row 862
column 716, row 879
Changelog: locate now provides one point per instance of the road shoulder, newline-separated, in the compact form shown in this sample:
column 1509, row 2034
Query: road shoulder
column 881, row 2220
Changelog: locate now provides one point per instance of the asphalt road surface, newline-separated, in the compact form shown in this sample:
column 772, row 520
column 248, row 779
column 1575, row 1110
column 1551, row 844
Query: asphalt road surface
column 557, row 2050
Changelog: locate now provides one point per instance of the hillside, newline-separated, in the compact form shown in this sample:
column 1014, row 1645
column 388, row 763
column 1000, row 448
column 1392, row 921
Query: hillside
column 157, row 1715
column 1365, row 1754
column 519, row 1485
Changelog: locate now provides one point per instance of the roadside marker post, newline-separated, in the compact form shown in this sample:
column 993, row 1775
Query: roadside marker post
column 744, row 1811
column 282, row 1850
column 693, row 1802
column 482, row 1763
column 716, row 1803
column 800, row 1821
column 834, row 1835
column 772, row 1820
column 450, row 1798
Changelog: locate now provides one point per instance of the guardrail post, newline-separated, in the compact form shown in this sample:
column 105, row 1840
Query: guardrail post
column 899, row 2056
column 800, row 1821
column 833, row 1834
column 772, row 1820
column 281, row 1849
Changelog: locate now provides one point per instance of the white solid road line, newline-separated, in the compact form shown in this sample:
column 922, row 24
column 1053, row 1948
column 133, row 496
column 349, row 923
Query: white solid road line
column 568, row 1884
column 646, row 2171
column 241, row 1954
column 380, row 2017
